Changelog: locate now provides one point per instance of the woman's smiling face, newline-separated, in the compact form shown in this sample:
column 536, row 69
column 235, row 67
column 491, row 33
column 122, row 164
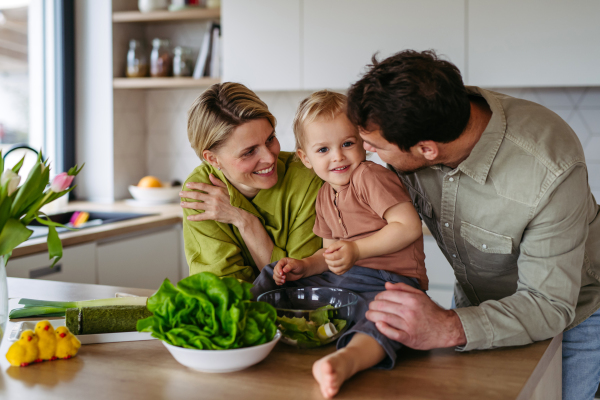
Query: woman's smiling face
column 248, row 158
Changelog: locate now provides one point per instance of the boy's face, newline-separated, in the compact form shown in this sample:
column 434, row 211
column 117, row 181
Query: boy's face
column 333, row 148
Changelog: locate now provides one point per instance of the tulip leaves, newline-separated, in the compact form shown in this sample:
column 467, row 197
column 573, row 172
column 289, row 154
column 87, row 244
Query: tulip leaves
column 13, row 234
column 209, row 313
column 20, row 205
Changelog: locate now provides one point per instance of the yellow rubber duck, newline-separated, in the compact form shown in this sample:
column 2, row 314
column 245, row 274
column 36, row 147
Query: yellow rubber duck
column 67, row 344
column 24, row 351
column 47, row 341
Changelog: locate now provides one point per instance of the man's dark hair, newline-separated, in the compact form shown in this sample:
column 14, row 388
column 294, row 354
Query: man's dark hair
column 412, row 96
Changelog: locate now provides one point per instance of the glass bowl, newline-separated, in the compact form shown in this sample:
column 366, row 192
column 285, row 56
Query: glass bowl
column 312, row 316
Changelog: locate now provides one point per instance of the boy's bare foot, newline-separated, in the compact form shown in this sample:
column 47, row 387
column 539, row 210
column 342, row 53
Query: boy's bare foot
column 331, row 371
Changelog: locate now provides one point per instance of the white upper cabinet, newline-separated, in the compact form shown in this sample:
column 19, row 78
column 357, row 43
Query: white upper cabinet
column 261, row 43
column 315, row 44
column 341, row 36
column 534, row 43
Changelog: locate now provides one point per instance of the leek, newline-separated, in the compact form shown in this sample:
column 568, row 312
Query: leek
column 48, row 308
column 33, row 311
column 113, row 301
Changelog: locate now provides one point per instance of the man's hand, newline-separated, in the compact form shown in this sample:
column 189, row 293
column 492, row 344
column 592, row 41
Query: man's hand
column 288, row 269
column 341, row 256
column 407, row 315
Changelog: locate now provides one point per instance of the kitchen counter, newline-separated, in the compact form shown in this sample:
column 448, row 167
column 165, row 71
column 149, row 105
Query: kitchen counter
column 146, row 370
column 166, row 214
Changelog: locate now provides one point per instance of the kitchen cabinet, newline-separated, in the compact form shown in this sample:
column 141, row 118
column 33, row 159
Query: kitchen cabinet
column 341, row 36
column 261, row 43
column 140, row 261
column 312, row 44
column 78, row 265
column 439, row 272
column 533, row 43
column 139, row 252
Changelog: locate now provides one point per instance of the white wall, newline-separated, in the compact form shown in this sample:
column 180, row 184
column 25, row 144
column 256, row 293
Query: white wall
column 94, row 100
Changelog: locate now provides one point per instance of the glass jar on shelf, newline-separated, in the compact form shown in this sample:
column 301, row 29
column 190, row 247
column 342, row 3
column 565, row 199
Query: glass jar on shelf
column 160, row 58
column 137, row 60
column 183, row 64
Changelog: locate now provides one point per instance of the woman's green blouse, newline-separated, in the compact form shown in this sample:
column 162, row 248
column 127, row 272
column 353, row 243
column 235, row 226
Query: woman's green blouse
column 287, row 211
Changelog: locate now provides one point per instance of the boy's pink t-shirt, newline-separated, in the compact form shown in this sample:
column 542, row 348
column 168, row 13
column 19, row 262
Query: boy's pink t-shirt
column 356, row 211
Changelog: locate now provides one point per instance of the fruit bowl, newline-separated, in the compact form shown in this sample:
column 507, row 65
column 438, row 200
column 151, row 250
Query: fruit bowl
column 155, row 195
column 312, row 316
column 217, row 361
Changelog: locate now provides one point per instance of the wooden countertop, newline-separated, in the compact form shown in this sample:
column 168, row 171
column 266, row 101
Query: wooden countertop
column 166, row 214
column 146, row 370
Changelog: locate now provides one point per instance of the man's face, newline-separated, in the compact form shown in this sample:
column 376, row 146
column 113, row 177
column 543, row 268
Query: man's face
column 402, row 161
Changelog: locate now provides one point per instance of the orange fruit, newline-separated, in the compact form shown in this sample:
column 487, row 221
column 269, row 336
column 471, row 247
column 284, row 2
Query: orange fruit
column 149, row 182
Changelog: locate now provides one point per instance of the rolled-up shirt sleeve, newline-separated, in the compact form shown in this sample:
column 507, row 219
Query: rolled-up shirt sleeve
column 212, row 246
column 549, row 270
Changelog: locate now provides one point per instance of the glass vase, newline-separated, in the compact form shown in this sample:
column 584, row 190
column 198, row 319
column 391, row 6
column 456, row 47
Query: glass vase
column 3, row 296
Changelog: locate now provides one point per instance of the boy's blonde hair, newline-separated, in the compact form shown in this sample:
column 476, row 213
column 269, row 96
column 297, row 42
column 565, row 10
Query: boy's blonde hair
column 218, row 111
column 323, row 103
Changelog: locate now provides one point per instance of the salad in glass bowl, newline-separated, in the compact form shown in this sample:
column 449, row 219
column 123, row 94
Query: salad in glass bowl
column 312, row 316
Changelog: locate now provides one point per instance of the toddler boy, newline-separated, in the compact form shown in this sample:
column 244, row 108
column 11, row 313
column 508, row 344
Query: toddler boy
column 371, row 234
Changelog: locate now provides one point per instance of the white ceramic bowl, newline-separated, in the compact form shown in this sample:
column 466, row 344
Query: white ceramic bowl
column 155, row 195
column 222, row 360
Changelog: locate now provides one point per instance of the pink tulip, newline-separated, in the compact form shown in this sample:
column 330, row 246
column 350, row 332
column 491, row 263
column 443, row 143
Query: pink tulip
column 61, row 182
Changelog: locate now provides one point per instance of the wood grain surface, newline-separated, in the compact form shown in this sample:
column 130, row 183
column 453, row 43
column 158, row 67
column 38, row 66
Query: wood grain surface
column 146, row 370
column 164, row 15
column 163, row 83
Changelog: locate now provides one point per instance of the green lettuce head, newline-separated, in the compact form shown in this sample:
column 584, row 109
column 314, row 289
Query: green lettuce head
column 209, row 313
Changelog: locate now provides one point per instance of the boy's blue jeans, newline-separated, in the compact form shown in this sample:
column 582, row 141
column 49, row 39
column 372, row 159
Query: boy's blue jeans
column 580, row 359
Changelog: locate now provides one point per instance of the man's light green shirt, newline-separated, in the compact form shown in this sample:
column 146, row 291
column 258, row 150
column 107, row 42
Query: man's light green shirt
column 287, row 211
column 518, row 223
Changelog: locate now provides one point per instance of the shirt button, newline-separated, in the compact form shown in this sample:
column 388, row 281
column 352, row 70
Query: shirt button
column 340, row 220
column 451, row 179
column 454, row 255
column 484, row 246
column 446, row 224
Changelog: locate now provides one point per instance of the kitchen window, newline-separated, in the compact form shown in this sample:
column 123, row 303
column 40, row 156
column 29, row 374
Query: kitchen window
column 37, row 80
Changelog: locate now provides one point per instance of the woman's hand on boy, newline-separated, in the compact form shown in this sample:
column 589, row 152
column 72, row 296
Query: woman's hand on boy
column 214, row 201
column 288, row 269
column 341, row 256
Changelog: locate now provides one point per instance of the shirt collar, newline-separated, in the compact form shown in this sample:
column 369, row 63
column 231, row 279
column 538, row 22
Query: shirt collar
column 477, row 165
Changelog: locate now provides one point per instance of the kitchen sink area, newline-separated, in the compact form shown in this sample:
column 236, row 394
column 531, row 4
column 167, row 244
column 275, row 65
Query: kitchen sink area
column 96, row 218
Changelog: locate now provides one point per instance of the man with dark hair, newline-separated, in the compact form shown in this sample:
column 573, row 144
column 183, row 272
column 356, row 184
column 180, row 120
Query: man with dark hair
column 501, row 183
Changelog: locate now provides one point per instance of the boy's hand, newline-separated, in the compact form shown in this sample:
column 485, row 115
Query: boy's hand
column 288, row 269
column 341, row 256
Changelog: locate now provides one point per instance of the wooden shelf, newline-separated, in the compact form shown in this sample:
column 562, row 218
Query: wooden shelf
column 163, row 83
column 157, row 16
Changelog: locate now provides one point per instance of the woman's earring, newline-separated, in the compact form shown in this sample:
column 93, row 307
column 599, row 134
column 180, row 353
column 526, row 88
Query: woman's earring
column 219, row 168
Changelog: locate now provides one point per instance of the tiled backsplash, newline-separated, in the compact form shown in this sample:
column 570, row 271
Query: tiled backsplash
column 169, row 153
column 160, row 146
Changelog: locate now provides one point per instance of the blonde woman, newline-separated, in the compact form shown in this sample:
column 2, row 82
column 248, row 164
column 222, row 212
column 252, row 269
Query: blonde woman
column 248, row 204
